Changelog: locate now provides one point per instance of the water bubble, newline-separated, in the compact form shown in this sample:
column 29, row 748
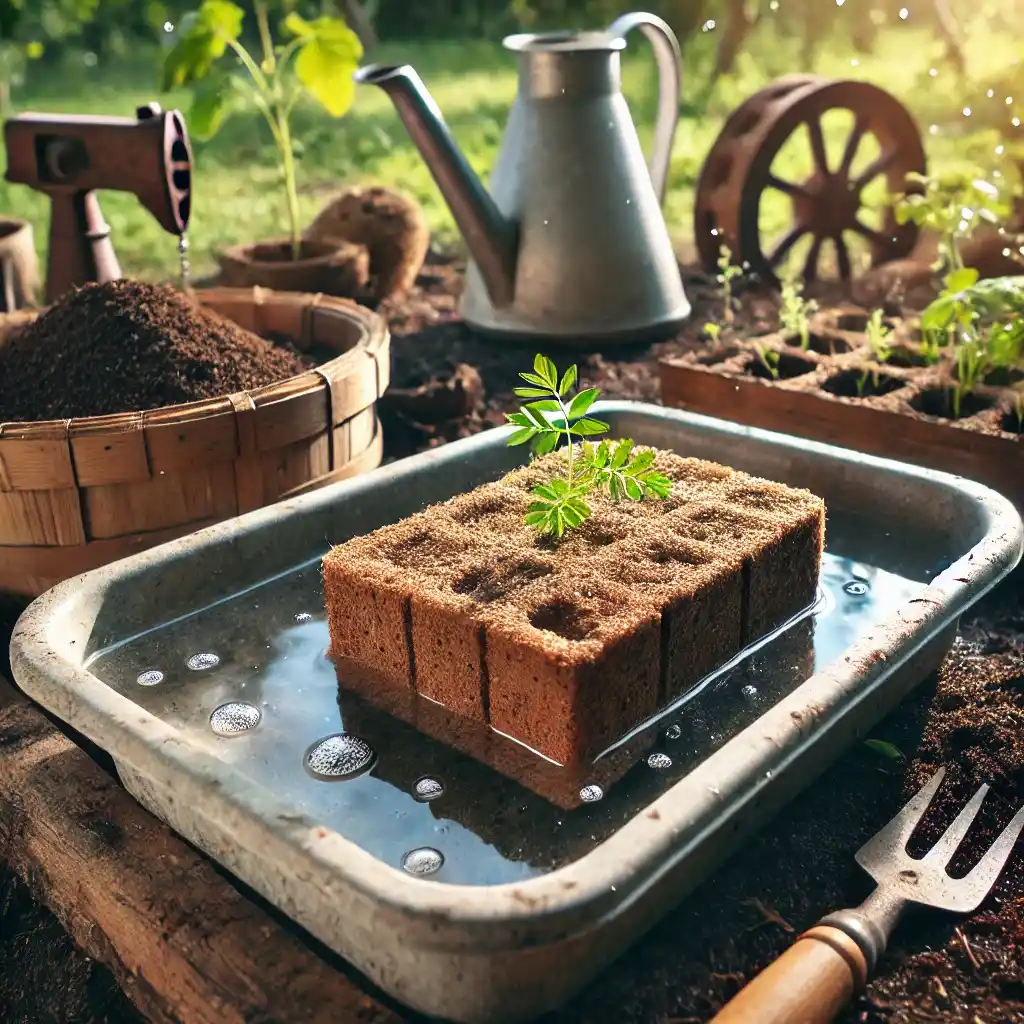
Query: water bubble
column 427, row 789
column 855, row 63
column 933, row 129
column 341, row 756
column 168, row 26
column 234, row 717
column 990, row 93
column 673, row 732
column 203, row 660
column 933, row 72
column 1000, row 149
column 303, row 617
column 749, row 691
column 1015, row 122
column 423, row 861
column 591, row 794
column 89, row 59
column 150, row 677
column 967, row 111
column 659, row 761
column 856, row 588
column 708, row 26
column 1009, row 101
column 904, row 14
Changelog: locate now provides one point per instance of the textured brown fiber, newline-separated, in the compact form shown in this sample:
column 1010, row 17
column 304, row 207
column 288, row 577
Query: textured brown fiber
column 567, row 645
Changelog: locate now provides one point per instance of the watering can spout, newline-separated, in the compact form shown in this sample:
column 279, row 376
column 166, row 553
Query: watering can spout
column 490, row 237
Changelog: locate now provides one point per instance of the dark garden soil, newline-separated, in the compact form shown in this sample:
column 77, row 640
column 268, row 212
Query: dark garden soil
column 970, row 718
column 107, row 348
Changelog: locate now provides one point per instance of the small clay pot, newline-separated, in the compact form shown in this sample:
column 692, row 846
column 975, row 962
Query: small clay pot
column 19, row 265
column 334, row 268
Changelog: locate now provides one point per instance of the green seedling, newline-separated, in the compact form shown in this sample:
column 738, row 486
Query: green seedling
column 879, row 342
column 954, row 205
column 318, row 60
column 795, row 312
column 727, row 273
column 713, row 332
column 612, row 467
column 769, row 359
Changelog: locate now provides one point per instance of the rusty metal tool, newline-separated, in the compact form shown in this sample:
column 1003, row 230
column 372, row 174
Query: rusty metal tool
column 831, row 962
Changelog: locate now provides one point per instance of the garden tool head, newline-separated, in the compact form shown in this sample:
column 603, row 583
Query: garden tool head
column 69, row 157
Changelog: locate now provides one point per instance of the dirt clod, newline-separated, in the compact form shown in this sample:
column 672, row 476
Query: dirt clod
column 129, row 346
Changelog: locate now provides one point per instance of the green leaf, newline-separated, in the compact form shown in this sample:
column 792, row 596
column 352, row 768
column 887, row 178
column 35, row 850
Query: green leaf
column 531, row 392
column 327, row 58
column 546, row 491
column 560, row 487
column 545, row 405
column 633, row 490
column 602, row 455
column 588, row 427
column 213, row 100
column 519, row 418
column 656, row 484
column 640, row 462
column 889, row 750
column 546, row 370
column 568, row 380
column 582, row 402
column 961, row 279
column 546, row 443
column 622, row 451
column 532, row 378
column 204, row 37
column 535, row 518
column 520, row 436
column 536, row 417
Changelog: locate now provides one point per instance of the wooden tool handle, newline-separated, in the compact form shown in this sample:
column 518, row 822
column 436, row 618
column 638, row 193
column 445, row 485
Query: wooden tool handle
column 809, row 984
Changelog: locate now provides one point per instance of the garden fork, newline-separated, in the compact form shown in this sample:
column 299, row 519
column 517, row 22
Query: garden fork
column 814, row 978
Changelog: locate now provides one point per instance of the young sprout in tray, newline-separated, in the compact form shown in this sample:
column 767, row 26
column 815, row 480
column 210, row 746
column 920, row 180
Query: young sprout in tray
column 769, row 360
column 611, row 466
column 727, row 273
column 795, row 313
column 878, row 336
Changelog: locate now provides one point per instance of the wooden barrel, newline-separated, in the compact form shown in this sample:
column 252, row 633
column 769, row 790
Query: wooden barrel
column 76, row 494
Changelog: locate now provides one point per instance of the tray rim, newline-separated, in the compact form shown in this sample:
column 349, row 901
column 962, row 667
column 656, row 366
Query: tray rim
column 604, row 881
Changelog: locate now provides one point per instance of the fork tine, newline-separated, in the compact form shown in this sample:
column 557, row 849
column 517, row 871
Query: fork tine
column 941, row 853
column 893, row 837
column 982, row 877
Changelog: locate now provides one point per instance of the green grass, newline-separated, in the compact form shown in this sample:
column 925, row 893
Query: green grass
column 237, row 193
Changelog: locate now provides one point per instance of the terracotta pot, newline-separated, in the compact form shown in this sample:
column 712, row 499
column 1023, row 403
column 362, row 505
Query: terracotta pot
column 334, row 268
column 19, row 266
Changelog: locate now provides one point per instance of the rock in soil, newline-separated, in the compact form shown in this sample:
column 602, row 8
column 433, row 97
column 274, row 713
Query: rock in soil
column 129, row 346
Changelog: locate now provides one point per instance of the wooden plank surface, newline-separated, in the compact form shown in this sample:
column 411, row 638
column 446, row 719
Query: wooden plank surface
column 183, row 942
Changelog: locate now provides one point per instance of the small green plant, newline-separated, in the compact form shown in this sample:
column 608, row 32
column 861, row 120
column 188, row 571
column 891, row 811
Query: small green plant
column 714, row 332
column 769, row 359
column 727, row 273
column 612, row 467
column 795, row 312
column 318, row 60
column 954, row 205
column 879, row 342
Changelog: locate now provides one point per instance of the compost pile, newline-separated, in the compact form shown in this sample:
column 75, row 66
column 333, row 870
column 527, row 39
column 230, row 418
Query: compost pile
column 128, row 346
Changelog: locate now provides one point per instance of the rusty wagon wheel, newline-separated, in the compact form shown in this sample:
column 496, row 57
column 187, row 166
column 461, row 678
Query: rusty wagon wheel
column 879, row 143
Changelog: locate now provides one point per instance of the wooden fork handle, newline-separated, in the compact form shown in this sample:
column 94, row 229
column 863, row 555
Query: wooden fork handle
column 809, row 984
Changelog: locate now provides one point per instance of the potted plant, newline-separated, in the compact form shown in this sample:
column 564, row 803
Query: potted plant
column 316, row 60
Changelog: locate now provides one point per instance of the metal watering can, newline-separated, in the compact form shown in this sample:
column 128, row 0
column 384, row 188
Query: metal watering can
column 570, row 244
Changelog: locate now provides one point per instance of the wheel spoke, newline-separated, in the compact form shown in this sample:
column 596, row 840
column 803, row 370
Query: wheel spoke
column 817, row 144
column 811, row 263
column 781, row 251
column 860, row 126
column 877, row 166
column 876, row 237
column 842, row 257
column 788, row 187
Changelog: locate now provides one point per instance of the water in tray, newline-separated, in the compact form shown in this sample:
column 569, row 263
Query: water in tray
column 248, row 679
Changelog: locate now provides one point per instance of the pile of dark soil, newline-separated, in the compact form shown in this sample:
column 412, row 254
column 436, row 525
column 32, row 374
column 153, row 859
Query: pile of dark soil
column 128, row 346
column 970, row 717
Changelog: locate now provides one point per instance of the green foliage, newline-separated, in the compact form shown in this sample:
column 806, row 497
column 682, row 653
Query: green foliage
column 727, row 273
column 954, row 205
column 713, row 331
column 318, row 61
column 795, row 312
column 879, row 342
column 612, row 467
column 886, row 749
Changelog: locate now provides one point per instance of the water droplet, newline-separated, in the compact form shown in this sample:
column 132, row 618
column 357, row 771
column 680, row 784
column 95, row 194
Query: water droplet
column 854, row 63
column 303, row 617
column 423, row 861
column 234, row 717
column 1009, row 101
column 591, row 794
column 967, row 111
column 203, row 660
column 933, row 129
column 708, row 26
column 150, row 677
column 749, row 691
column 904, row 14
column 427, row 789
column 659, row 761
column 768, row 775
column 1015, row 122
column 673, row 732
column 856, row 588
column 342, row 756
column 933, row 72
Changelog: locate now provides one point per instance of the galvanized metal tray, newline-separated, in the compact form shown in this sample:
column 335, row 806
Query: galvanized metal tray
column 499, row 933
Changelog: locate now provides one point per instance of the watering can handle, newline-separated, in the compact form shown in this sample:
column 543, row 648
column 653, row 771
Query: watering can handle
column 670, row 85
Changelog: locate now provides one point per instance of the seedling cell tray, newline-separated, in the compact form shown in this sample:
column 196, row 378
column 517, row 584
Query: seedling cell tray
column 200, row 666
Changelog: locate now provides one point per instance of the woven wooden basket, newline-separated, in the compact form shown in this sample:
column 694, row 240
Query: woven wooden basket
column 76, row 494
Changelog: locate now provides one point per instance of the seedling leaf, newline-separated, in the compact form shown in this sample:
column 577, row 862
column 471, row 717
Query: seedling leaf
column 889, row 750
column 545, row 369
column 520, row 436
column 568, row 382
column 582, row 402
